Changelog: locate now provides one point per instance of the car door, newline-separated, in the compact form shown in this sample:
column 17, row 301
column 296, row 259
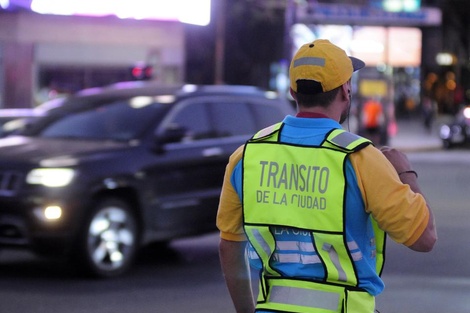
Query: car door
column 189, row 174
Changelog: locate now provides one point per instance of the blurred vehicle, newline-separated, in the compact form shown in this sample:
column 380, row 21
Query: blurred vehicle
column 458, row 131
column 113, row 169
column 15, row 120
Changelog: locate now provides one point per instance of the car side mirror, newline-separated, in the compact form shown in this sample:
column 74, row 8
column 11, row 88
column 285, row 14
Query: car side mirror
column 171, row 135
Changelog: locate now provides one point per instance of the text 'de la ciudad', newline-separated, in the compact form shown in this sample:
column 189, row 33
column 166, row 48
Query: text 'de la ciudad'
column 289, row 184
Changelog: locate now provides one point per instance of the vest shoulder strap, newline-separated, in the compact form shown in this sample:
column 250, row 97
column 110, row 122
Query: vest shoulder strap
column 344, row 140
column 338, row 138
column 267, row 132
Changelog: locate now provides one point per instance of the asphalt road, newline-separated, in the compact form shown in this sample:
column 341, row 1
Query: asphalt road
column 186, row 277
column 438, row 281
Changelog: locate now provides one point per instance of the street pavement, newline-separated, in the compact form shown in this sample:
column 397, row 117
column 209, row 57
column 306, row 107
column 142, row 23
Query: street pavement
column 419, row 293
column 411, row 135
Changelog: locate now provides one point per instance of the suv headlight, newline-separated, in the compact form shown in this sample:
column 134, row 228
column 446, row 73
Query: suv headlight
column 466, row 112
column 50, row 177
column 445, row 132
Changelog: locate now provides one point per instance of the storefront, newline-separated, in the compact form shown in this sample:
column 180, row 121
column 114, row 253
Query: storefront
column 77, row 44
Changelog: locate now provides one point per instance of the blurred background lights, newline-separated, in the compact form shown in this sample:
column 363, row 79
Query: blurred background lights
column 401, row 5
column 466, row 112
column 444, row 59
column 4, row 4
column 367, row 46
column 186, row 11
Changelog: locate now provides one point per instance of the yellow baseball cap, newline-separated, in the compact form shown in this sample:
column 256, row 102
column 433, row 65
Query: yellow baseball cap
column 323, row 62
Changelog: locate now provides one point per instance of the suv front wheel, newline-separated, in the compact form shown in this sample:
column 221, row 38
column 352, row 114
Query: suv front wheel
column 108, row 242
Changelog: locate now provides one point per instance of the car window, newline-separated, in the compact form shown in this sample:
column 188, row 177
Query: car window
column 117, row 121
column 220, row 116
column 214, row 119
column 194, row 120
column 232, row 119
column 267, row 114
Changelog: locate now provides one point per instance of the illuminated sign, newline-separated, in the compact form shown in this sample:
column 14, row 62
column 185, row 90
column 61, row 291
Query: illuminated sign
column 376, row 45
column 397, row 5
column 362, row 15
column 186, row 11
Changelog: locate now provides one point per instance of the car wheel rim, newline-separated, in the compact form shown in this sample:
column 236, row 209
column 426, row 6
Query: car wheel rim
column 111, row 238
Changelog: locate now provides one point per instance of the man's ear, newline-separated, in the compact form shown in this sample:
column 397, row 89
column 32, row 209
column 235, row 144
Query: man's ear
column 292, row 93
column 346, row 91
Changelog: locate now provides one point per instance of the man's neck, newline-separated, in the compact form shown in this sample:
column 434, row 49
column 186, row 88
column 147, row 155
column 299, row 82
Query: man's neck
column 311, row 114
column 328, row 112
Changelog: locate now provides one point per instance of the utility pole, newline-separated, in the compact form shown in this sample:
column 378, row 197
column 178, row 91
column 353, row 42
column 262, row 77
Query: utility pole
column 220, row 43
column 289, row 16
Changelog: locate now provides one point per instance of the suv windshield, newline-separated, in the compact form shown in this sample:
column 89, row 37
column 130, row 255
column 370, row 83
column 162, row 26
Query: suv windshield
column 121, row 120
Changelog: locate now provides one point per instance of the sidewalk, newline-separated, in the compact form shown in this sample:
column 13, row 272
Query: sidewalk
column 411, row 135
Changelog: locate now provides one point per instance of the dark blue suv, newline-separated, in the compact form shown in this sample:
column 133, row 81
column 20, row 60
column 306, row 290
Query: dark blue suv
column 116, row 168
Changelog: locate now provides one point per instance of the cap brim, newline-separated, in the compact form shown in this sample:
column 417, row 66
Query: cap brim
column 357, row 64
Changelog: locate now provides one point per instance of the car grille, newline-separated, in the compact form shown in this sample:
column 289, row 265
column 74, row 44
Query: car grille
column 10, row 182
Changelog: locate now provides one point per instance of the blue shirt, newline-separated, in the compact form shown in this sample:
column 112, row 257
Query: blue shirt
column 359, row 231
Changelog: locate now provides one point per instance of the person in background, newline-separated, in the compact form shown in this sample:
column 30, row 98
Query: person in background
column 373, row 119
column 309, row 204
column 429, row 107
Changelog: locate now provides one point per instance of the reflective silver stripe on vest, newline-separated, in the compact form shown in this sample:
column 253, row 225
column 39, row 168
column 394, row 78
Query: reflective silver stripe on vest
column 260, row 239
column 266, row 131
column 304, row 297
column 356, row 255
column 309, row 61
column 312, row 257
column 252, row 254
column 344, row 139
column 297, row 258
column 335, row 259
column 306, row 253
column 352, row 245
column 303, row 258
column 295, row 245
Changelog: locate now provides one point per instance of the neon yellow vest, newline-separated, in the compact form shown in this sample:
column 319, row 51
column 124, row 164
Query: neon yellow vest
column 303, row 187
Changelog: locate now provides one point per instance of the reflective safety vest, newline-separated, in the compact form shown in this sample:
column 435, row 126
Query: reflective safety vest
column 303, row 188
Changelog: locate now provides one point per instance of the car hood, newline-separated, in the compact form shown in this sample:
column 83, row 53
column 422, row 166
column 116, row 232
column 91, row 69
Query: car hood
column 57, row 152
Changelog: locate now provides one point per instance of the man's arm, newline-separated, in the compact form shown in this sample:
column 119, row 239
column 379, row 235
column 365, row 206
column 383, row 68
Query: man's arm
column 400, row 162
column 426, row 241
column 237, row 274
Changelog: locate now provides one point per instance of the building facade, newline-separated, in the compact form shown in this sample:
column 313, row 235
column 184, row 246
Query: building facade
column 40, row 54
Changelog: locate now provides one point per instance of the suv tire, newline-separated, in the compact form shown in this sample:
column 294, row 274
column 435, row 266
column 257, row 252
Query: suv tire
column 108, row 242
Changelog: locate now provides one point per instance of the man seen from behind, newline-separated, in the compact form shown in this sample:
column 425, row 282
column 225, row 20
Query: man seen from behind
column 310, row 203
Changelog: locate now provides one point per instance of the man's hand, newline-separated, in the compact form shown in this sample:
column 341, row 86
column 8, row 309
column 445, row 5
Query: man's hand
column 398, row 159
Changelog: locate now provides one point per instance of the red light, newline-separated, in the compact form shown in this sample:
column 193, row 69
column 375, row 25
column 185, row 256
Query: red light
column 137, row 72
column 148, row 71
column 142, row 72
